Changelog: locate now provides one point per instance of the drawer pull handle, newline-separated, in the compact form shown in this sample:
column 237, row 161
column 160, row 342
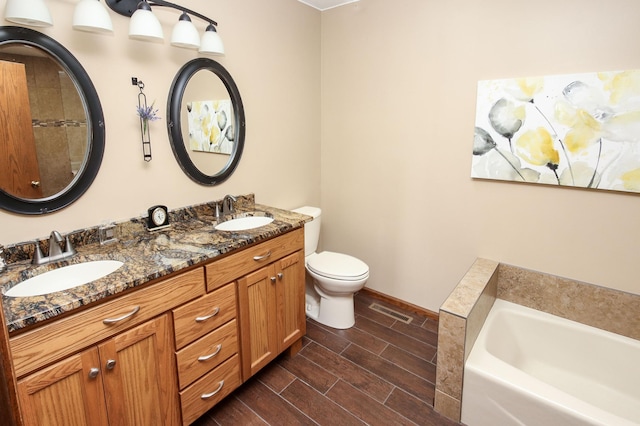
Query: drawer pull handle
column 209, row 395
column 93, row 373
column 109, row 321
column 208, row 357
column 263, row 257
column 206, row 317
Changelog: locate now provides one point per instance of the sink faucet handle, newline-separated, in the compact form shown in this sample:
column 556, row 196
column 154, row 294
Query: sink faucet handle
column 37, row 254
column 69, row 250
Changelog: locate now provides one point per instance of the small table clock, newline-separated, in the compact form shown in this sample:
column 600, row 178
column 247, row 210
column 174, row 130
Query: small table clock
column 158, row 218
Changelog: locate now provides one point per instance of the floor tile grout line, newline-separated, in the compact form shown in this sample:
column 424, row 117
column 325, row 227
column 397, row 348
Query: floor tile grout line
column 390, row 327
column 385, row 380
column 396, row 346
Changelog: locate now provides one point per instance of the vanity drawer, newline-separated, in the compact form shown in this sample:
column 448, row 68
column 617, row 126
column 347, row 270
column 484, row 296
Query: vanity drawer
column 206, row 353
column 198, row 398
column 197, row 318
column 236, row 265
column 44, row 345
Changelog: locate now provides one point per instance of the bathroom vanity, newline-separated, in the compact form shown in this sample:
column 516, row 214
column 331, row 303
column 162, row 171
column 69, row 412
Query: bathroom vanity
column 164, row 345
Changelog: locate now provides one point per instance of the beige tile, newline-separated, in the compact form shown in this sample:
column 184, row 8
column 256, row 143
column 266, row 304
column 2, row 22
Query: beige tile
column 466, row 293
column 447, row 406
column 597, row 306
column 450, row 365
column 479, row 313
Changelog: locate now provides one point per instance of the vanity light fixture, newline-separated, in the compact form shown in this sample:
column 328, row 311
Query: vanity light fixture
column 92, row 16
column 145, row 26
column 33, row 13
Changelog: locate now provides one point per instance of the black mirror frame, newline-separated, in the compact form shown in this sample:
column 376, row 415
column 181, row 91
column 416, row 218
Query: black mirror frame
column 174, row 125
column 95, row 125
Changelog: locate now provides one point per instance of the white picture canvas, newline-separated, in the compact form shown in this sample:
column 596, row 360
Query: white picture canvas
column 579, row 130
column 210, row 126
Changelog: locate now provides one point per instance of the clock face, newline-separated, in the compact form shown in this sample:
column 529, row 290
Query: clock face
column 159, row 216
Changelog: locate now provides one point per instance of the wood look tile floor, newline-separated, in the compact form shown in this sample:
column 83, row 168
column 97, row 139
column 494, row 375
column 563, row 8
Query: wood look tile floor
column 379, row 372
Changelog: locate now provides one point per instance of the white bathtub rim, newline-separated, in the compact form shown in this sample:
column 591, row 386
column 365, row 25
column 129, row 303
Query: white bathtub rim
column 529, row 385
column 534, row 389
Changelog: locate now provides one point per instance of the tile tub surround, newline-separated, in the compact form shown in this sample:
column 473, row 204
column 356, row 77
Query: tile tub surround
column 461, row 318
column 465, row 310
column 191, row 239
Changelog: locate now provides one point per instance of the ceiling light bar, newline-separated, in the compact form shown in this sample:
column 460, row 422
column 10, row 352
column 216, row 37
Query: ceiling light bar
column 143, row 25
column 92, row 16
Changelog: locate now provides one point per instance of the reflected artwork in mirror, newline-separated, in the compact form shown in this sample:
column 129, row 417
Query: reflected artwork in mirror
column 206, row 121
column 51, row 124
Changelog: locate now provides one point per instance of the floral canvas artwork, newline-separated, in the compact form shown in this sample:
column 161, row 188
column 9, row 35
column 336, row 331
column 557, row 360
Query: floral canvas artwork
column 579, row 130
column 210, row 127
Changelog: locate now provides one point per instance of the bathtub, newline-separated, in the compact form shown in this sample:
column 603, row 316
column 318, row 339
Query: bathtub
column 532, row 368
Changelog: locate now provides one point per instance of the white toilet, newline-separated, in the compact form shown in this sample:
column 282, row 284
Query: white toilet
column 332, row 278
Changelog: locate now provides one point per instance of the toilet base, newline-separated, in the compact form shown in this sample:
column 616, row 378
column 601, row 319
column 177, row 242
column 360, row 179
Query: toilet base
column 335, row 312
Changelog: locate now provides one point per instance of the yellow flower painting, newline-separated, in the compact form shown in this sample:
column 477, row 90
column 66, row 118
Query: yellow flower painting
column 577, row 130
column 210, row 126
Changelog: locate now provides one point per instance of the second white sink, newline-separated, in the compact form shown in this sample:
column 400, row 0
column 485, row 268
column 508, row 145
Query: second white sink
column 64, row 278
column 244, row 223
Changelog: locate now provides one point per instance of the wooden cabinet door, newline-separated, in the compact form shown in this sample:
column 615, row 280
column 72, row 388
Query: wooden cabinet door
column 290, row 290
column 18, row 157
column 66, row 393
column 139, row 375
column 257, row 300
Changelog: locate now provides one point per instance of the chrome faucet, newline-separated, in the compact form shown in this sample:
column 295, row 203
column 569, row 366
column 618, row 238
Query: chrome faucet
column 55, row 252
column 227, row 204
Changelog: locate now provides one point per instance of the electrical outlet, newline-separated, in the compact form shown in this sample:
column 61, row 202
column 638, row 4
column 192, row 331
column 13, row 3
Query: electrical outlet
column 107, row 233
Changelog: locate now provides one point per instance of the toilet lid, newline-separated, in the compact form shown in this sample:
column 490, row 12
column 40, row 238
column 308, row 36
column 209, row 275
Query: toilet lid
column 337, row 266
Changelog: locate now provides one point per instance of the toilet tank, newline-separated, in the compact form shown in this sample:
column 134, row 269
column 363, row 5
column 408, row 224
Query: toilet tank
column 311, row 229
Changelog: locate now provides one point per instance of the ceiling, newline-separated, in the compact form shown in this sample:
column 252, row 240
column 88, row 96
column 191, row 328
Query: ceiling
column 326, row 4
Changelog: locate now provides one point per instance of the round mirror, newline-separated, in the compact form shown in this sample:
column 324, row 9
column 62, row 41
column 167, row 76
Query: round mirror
column 206, row 121
column 51, row 124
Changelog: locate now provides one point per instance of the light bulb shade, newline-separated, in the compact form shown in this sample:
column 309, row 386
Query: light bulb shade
column 33, row 13
column 211, row 42
column 185, row 34
column 145, row 26
column 92, row 16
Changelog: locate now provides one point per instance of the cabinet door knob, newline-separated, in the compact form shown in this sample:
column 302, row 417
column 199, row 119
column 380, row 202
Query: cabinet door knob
column 111, row 364
column 209, row 395
column 93, row 373
column 35, row 183
column 273, row 279
column 280, row 275
column 206, row 317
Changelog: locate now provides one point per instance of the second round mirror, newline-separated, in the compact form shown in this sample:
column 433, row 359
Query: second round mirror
column 206, row 121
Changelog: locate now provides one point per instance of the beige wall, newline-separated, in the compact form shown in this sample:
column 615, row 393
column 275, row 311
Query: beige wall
column 398, row 106
column 273, row 53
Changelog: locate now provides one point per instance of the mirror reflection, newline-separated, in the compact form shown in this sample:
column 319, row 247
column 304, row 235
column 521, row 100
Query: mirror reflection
column 208, row 113
column 44, row 125
column 206, row 121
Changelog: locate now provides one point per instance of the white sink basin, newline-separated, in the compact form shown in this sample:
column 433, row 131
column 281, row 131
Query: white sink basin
column 64, row 278
column 244, row 223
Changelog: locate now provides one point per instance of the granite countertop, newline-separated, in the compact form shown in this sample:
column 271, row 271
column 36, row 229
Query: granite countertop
column 191, row 239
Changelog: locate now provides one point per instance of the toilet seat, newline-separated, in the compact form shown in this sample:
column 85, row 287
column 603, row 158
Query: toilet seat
column 337, row 266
